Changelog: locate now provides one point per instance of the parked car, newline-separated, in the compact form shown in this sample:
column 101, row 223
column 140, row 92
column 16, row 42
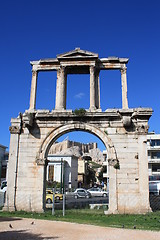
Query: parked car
column 81, row 193
column 97, row 192
column 49, row 196
column 154, row 187
column 3, row 186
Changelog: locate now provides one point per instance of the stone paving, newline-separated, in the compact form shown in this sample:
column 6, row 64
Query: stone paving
column 29, row 229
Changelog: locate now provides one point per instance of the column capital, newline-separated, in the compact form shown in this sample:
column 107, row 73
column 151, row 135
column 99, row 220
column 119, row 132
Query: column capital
column 34, row 72
column 62, row 68
column 62, row 71
column 92, row 69
column 14, row 129
column 41, row 161
column 123, row 70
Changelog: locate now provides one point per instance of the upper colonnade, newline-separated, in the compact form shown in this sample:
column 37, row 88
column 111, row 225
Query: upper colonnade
column 78, row 62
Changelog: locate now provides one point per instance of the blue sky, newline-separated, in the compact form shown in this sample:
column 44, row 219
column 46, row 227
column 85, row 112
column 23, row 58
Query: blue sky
column 33, row 30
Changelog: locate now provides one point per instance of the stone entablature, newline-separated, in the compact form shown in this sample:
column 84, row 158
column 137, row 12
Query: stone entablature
column 128, row 119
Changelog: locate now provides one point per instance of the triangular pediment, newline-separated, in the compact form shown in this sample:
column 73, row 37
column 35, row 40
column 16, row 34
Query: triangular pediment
column 77, row 53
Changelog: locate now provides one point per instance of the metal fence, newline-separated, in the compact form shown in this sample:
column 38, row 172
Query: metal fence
column 2, row 199
column 89, row 203
column 155, row 202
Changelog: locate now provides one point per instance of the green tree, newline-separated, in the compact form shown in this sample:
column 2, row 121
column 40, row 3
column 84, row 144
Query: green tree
column 103, row 170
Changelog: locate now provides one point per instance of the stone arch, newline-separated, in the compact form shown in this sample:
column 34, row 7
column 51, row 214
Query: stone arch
column 53, row 135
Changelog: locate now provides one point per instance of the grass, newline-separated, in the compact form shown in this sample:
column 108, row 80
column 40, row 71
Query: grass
column 150, row 221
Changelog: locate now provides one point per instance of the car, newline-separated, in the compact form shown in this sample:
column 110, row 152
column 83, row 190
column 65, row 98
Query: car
column 154, row 187
column 81, row 193
column 49, row 196
column 3, row 186
column 97, row 192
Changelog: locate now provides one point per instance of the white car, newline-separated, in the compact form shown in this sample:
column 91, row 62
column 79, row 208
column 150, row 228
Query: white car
column 3, row 190
column 3, row 186
column 97, row 192
column 154, row 187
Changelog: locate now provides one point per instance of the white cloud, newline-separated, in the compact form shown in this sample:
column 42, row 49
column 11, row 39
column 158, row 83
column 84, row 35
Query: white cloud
column 79, row 95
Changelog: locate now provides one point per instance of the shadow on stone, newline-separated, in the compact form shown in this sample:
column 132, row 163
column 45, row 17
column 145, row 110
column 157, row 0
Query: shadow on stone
column 35, row 131
column 6, row 219
column 22, row 234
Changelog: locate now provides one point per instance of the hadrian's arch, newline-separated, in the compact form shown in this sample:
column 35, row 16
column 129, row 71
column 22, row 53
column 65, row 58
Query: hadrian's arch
column 123, row 132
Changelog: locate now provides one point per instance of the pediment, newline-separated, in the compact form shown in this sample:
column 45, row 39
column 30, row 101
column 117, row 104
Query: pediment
column 77, row 53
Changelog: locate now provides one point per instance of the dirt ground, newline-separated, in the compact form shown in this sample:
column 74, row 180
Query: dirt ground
column 29, row 229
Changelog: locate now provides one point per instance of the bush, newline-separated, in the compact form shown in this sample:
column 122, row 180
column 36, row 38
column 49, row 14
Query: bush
column 79, row 112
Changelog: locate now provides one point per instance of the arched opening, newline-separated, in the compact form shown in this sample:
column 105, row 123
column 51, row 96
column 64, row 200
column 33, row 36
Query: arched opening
column 71, row 181
column 83, row 154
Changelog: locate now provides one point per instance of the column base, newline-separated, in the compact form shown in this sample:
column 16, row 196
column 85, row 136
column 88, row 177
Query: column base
column 108, row 212
column 8, row 209
column 129, row 211
column 61, row 110
column 94, row 109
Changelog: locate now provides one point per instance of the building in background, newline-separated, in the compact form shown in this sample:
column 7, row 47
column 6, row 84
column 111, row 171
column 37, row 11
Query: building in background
column 153, row 149
column 82, row 172
column 3, row 162
column 63, row 167
column 106, row 172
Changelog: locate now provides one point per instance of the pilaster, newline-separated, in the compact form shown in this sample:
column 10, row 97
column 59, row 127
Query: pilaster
column 10, row 202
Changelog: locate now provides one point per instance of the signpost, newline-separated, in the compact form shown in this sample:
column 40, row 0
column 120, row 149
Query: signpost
column 53, row 203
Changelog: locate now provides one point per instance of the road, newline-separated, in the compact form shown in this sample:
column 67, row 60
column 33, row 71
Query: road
column 71, row 202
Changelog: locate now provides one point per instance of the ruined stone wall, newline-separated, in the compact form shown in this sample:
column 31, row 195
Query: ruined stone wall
column 84, row 148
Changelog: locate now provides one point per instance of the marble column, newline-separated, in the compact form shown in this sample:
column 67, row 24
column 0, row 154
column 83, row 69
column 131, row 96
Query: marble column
column 65, row 89
column 97, row 89
column 124, row 88
column 61, row 89
column 92, row 88
column 57, row 89
column 33, row 90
